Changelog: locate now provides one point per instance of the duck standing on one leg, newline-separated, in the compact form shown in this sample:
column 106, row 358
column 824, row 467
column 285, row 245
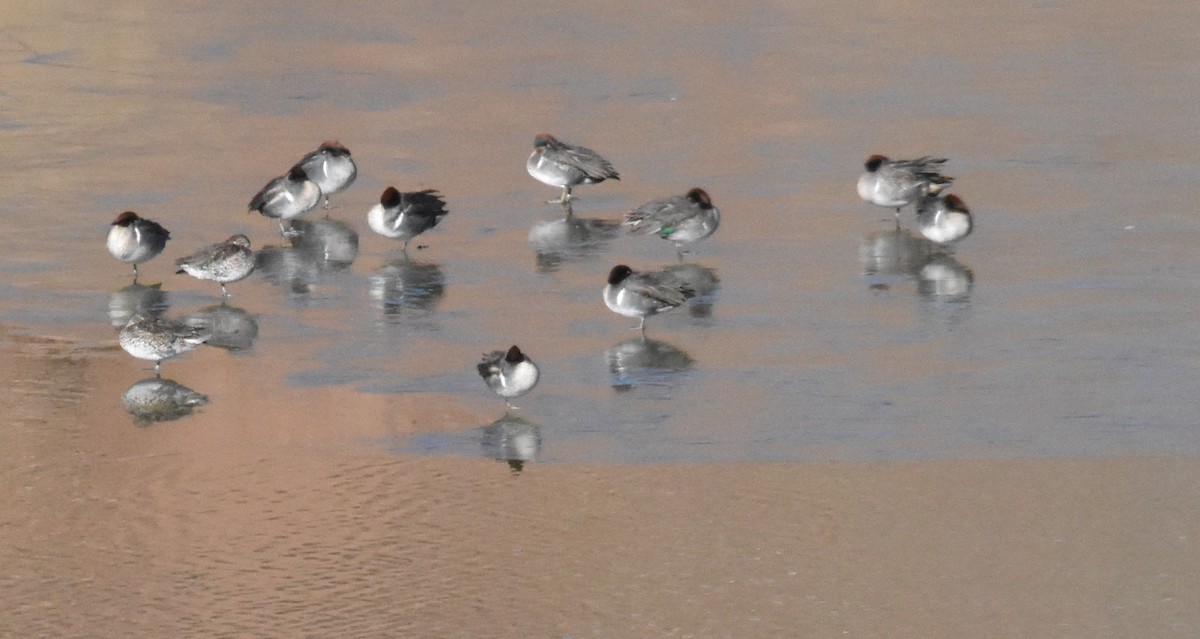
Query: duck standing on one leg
column 510, row 374
column 134, row 239
column 561, row 164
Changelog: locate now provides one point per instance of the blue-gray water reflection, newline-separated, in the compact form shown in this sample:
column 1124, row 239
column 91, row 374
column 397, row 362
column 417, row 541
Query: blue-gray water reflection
column 641, row 361
column 513, row 439
column 703, row 282
column 333, row 244
column 402, row 284
column 899, row 255
column 136, row 298
column 156, row 399
column 316, row 247
column 570, row 239
column 1042, row 296
column 944, row 278
column 291, row 269
column 230, row 327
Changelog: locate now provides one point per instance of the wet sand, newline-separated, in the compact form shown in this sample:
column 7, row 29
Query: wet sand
column 268, row 527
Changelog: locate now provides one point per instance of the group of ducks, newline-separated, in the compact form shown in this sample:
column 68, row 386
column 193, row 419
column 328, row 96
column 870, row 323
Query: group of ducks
column 942, row 219
column 330, row 169
column 684, row 220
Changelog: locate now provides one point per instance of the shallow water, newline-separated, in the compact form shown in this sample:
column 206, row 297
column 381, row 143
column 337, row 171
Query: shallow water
column 1061, row 329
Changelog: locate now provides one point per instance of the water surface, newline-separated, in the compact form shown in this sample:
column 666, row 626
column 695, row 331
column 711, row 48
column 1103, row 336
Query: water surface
column 344, row 429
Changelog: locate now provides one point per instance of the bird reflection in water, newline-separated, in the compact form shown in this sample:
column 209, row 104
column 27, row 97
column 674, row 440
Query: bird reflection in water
column 640, row 361
column 514, row 440
column 569, row 239
column 403, row 284
column 317, row 246
column 288, row 267
column 155, row 399
column 136, row 298
column 943, row 278
column 703, row 281
column 331, row 242
column 897, row 256
column 232, row 328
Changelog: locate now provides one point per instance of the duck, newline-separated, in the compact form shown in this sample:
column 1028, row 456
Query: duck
column 403, row 216
column 565, row 165
column 943, row 220
column 224, row 263
column 510, row 374
column 898, row 183
column 684, row 220
column 148, row 337
column 134, row 240
column 642, row 294
column 287, row 196
column 331, row 167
